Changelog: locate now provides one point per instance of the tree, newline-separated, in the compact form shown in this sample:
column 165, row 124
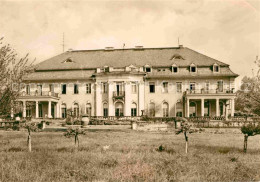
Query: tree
column 249, row 130
column 248, row 96
column 12, row 70
column 74, row 132
column 31, row 127
column 186, row 128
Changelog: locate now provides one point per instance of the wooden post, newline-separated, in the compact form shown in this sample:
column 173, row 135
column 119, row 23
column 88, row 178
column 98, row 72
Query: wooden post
column 186, row 142
column 29, row 141
column 245, row 142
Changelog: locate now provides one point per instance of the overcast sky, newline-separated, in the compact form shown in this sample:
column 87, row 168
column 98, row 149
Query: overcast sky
column 227, row 30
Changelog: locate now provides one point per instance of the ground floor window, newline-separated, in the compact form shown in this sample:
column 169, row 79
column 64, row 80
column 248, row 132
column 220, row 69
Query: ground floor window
column 28, row 112
column 119, row 109
column 88, row 109
column 133, row 112
column 152, row 110
column 105, row 112
column 76, row 110
column 165, row 110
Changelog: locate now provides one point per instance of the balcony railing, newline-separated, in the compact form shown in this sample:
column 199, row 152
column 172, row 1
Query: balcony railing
column 43, row 93
column 210, row 91
column 118, row 93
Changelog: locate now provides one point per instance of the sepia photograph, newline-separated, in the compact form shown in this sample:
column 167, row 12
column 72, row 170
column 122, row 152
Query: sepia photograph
column 130, row 90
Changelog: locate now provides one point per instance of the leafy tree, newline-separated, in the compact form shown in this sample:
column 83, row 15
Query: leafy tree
column 249, row 130
column 75, row 132
column 12, row 69
column 186, row 128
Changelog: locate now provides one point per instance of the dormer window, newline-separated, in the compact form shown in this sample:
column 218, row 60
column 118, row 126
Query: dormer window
column 174, row 68
column 193, row 68
column 216, row 68
column 147, row 69
column 106, row 69
column 68, row 60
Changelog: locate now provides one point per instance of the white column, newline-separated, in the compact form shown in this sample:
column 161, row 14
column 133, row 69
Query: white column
column 127, row 106
column 188, row 107
column 24, row 109
column 111, row 107
column 217, row 107
column 202, row 107
column 57, row 110
column 232, row 107
column 98, row 99
column 36, row 109
column 49, row 110
column 141, row 87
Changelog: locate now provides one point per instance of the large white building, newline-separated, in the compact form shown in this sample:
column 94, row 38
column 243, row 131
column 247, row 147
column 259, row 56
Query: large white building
column 160, row 82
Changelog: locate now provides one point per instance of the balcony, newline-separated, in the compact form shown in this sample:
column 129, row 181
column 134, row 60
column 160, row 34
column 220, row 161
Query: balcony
column 38, row 95
column 210, row 91
column 119, row 95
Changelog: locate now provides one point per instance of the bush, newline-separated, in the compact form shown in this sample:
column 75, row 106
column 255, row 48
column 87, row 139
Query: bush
column 77, row 122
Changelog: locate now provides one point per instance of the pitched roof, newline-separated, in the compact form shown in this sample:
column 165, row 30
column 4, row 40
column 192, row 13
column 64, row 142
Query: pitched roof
column 155, row 57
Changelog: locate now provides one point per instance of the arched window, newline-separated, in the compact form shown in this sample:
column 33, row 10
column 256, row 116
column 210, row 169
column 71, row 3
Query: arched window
column 119, row 109
column 152, row 110
column 63, row 110
column 133, row 109
column 105, row 109
column 179, row 109
column 76, row 110
column 165, row 109
column 88, row 109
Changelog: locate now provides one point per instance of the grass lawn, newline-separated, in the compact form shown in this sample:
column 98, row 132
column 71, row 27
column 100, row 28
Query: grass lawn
column 132, row 156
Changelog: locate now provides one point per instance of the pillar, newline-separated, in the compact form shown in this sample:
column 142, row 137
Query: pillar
column 127, row 106
column 140, row 98
column 24, row 109
column 49, row 110
column 232, row 107
column 36, row 109
column 217, row 107
column 98, row 100
column 202, row 107
column 57, row 110
column 188, row 108
column 111, row 106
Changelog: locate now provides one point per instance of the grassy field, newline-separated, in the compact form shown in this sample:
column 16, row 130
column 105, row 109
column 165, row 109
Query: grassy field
column 131, row 156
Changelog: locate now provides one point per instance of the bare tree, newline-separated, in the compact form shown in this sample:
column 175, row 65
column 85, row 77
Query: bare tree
column 12, row 70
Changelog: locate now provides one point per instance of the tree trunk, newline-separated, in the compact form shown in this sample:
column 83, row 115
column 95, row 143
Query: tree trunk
column 186, row 142
column 245, row 142
column 29, row 141
column 76, row 139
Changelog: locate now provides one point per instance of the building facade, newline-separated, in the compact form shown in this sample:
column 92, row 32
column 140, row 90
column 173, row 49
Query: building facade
column 158, row 82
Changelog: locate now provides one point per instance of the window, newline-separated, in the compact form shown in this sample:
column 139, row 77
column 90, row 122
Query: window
column 51, row 88
column 105, row 110
column 220, row 86
column 174, row 69
column 148, row 69
column 133, row 110
column 152, row 87
column 88, row 88
column 165, row 109
column 88, row 109
column 193, row 69
column 119, row 109
column 165, row 87
column 179, row 87
column 179, row 109
column 28, row 89
column 192, row 86
column 28, row 112
column 76, row 110
column 76, row 88
column 40, row 111
column 106, row 69
column 63, row 111
column 39, row 89
column 63, row 89
column 152, row 110
column 104, row 87
column 215, row 68
column 134, row 87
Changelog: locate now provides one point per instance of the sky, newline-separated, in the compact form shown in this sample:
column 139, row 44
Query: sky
column 227, row 30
